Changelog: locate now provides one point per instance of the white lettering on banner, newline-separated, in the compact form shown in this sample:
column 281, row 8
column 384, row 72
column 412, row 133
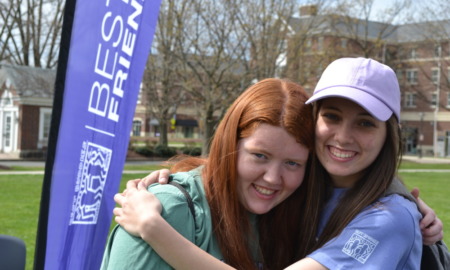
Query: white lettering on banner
column 97, row 105
column 91, row 179
column 119, row 40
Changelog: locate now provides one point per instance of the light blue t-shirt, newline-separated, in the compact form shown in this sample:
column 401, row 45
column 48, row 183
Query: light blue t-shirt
column 385, row 235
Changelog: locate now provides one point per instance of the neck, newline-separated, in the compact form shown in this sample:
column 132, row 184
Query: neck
column 346, row 181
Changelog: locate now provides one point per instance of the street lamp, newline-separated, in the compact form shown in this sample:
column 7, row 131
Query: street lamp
column 421, row 115
column 436, row 109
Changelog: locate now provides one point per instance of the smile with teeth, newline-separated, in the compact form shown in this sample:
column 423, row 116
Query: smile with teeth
column 341, row 153
column 263, row 190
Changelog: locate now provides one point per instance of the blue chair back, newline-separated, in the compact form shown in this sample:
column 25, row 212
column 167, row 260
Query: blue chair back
column 12, row 253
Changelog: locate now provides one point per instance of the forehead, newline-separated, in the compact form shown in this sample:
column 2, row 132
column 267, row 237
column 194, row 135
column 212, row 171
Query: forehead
column 274, row 140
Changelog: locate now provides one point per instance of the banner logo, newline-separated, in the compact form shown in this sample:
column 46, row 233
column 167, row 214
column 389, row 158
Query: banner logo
column 91, row 179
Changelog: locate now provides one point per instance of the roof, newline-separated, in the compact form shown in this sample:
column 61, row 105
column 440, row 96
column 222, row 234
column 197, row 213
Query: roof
column 29, row 81
column 404, row 33
column 416, row 32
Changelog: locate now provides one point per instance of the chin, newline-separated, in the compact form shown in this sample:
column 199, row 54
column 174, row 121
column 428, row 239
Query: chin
column 261, row 210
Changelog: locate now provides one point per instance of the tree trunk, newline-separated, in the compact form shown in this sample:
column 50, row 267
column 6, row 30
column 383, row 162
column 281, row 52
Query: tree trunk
column 163, row 133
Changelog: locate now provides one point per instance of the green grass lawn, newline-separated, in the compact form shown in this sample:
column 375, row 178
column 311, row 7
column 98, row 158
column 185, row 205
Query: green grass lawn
column 20, row 199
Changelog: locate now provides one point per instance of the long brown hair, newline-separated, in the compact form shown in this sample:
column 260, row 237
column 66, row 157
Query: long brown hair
column 279, row 103
column 374, row 183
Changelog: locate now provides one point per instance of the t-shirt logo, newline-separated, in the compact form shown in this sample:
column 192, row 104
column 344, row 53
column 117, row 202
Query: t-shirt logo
column 360, row 246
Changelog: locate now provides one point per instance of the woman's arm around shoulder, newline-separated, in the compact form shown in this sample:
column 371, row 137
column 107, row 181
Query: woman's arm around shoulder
column 125, row 248
column 173, row 247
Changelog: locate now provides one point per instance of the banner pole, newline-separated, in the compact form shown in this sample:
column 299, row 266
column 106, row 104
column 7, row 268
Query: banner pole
column 41, row 235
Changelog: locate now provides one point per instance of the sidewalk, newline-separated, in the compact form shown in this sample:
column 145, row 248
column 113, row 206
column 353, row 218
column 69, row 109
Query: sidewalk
column 5, row 165
column 30, row 163
column 417, row 159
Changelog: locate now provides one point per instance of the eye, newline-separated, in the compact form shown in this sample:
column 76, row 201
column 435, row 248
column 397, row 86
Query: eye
column 292, row 163
column 260, row 156
column 330, row 116
column 367, row 123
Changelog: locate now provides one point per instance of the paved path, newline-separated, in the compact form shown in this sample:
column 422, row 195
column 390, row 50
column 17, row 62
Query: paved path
column 424, row 170
column 41, row 164
column 6, row 172
column 427, row 159
column 37, row 164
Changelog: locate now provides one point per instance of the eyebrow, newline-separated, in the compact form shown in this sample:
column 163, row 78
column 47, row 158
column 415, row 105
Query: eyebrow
column 364, row 113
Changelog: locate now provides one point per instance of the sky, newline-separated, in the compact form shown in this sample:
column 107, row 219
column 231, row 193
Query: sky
column 380, row 5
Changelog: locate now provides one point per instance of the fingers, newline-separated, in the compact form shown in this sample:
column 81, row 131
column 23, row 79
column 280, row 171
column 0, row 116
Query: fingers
column 431, row 228
column 159, row 176
column 131, row 184
column 141, row 186
column 415, row 192
column 118, row 198
column 429, row 217
column 151, row 178
column 430, row 236
column 164, row 176
column 117, row 211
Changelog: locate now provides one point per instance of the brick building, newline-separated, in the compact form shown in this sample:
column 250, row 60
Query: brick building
column 419, row 53
column 25, row 110
column 26, row 106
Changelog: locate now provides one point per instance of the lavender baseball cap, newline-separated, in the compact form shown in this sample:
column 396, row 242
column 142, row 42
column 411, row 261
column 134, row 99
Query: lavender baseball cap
column 372, row 85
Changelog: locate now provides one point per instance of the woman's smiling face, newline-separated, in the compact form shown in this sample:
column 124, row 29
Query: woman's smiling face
column 271, row 166
column 348, row 140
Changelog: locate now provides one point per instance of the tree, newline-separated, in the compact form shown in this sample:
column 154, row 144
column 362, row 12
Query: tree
column 368, row 31
column 309, row 47
column 30, row 32
column 160, row 84
column 262, row 25
column 211, row 57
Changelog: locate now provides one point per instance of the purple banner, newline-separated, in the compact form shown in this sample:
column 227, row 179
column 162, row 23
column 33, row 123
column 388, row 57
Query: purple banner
column 109, row 47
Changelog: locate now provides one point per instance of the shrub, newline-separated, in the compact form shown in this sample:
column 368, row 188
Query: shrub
column 164, row 151
column 145, row 151
column 192, row 151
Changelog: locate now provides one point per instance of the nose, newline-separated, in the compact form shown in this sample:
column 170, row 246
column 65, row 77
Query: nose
column 343, row 134
column 272, row 174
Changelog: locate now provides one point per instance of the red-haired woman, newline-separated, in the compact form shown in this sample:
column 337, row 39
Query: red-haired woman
column 246, row 191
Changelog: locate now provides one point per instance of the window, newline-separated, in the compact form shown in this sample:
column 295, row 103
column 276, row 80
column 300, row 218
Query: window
column 319, row 70
column 320, row 44
column 306, row 70
column 448, row 100
column 413, row 53
column 45, row 119
column 437, row 50
column 139, row 99
column 47, row 122
column 410, row 100
column 308, row 45
column 411, row 76
column 343, row 43
column 435, row 75
column 433, row 100
column 7, row 129
column 448, row 75
column 6, row 99
column 137, row 125
column 188, row 132
column 399, row 74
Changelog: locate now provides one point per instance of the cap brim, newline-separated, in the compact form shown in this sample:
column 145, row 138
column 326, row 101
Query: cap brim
column 370, row 103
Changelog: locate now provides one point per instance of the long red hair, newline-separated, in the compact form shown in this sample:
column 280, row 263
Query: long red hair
column 283, row 238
